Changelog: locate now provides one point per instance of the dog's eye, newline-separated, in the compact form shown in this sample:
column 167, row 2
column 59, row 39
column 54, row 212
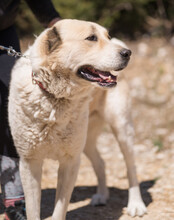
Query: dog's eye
column 92, row 38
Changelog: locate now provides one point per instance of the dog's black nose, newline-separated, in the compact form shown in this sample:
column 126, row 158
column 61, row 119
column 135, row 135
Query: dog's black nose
column 125, row 53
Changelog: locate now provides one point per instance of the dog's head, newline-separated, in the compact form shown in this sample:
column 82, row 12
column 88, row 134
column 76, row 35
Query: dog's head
column 84, row 50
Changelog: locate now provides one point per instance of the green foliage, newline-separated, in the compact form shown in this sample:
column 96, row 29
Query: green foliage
column 122, row 17
column 159, row 144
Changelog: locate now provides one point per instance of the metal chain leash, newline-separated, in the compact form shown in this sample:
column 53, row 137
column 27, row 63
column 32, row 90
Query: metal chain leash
column 12, row 52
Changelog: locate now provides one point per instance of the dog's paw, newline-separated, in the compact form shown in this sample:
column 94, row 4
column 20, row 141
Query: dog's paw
column 98, row 199
column 136, row 208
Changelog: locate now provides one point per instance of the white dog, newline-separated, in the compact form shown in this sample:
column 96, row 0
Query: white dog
column 49, row 110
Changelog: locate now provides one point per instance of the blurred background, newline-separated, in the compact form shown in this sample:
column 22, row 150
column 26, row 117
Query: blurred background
column 124, row 18
column 147, row 26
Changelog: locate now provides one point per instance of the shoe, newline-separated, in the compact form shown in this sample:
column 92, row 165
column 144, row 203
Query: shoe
column 16, row 212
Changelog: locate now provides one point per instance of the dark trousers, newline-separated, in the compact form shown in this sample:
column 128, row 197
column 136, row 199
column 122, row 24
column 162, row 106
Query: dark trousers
column 8, row 37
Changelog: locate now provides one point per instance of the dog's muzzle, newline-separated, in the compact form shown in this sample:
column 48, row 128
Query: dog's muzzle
column 103, row 78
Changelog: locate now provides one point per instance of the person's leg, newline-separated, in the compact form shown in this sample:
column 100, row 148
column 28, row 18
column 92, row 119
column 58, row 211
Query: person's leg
column 11, row 188
column 9, row 170
column 10, row 180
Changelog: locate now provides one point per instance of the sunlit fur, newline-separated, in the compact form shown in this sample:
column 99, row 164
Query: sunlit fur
column 53, row 123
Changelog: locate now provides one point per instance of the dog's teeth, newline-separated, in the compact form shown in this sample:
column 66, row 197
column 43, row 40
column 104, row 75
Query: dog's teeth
column 114, row 73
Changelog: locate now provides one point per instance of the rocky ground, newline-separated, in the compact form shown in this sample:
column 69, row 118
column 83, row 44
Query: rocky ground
column 151, row 79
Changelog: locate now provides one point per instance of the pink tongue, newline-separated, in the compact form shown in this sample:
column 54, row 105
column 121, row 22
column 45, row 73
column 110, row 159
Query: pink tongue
column 108, row 77
column 104, row 76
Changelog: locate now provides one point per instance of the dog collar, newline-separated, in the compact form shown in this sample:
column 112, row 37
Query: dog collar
column 36, row 82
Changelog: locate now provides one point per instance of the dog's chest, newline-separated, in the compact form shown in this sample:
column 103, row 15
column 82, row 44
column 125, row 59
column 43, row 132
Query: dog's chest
column 60, row 131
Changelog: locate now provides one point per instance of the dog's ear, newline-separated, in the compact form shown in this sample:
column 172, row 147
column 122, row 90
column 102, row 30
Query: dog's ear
column 53, row 40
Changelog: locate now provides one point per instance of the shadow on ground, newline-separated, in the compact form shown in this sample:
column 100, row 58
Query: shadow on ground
column 112, row 211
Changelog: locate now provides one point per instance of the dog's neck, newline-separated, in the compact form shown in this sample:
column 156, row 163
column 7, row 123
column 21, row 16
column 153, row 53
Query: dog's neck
column 57, row 85
column 36, row 82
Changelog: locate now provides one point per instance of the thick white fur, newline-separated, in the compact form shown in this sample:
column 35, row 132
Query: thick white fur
column 54, row 123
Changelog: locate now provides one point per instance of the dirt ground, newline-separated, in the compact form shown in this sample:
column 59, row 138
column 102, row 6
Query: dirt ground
column 150, row 75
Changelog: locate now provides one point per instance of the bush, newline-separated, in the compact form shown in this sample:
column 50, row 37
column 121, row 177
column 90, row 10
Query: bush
column 124, row 18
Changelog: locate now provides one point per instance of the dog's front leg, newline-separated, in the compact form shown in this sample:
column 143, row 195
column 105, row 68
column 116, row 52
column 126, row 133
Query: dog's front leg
column 119, row 117
column 124, row 133
column 30, row 171
column 67, row 174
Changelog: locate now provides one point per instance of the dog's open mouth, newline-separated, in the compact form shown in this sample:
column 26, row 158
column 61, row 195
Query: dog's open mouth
column 103, row 78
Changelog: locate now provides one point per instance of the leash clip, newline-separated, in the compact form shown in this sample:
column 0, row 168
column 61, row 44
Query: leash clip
column 12, row 52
